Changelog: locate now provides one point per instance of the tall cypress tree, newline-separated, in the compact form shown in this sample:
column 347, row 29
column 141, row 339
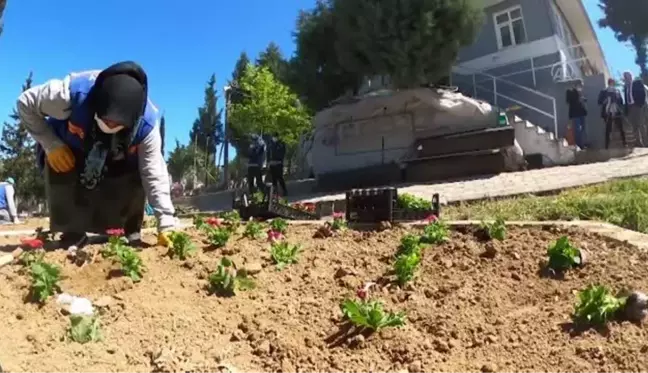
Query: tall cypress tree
column 18, row 151
column 207, row 129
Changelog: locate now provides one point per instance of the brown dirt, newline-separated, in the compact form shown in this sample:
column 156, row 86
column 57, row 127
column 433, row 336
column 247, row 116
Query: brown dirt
column 465, row 312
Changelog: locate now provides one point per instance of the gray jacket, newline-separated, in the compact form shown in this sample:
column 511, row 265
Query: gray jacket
column 52, row 99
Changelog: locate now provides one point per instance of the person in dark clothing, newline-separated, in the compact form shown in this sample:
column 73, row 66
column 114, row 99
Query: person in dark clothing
column 636, row 106
column 276, row 155
column 256, row 158
column 577, row 112
column 611, row 103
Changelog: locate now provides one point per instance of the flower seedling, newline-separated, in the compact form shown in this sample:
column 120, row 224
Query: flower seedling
column 199, row 222
column 563, row 255
column 596, row 305
column 405, row 267
column 257, row 198
column 279, row 225
column 226, row 280
column 370, row 314
column 283, row 253
column 232, row 219
column 131, row 263
column 495, row 230
column 214, row 221
column 116, row 243
column 181, row 245
column 435, row 232
column 253, row 230
column 339, row 223
column 410, row 243
column 32, row 243
column 218, row 236
column 30, row 257
column 45, row 280
column 412, row 203
column 274, row 236
column 84, row 329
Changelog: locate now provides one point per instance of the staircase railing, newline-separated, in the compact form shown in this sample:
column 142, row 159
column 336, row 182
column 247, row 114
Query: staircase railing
column 477, row 80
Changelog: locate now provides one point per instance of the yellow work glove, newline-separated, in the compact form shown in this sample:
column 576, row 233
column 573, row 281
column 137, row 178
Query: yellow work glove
column 164, row 238
column 61, row 159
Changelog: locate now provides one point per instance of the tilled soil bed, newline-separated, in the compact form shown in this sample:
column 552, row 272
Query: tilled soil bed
column 465, row 312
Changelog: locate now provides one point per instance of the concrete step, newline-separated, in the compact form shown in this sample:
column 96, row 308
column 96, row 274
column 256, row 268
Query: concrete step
column 490, row 138
column 458, row 165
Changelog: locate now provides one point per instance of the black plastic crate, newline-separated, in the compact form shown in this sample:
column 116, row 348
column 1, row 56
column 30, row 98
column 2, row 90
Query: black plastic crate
column 376, row 205
column 270, row 208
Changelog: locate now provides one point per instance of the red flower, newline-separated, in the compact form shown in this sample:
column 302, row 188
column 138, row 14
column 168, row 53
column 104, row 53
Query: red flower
column 115, row 232
column 362, row 293
column 214, row 222
column 338, row 215
column 33, row 243
column 431, row 219
column 274, row 236
column 309, row 206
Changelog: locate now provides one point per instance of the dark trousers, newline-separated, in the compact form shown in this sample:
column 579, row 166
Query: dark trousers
column 276, row 174
column 116, row 202
column 616, row 121
column 255, row 179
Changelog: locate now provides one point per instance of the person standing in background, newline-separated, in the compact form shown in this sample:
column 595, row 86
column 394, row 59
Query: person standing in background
column 276, row 155
column 8, row 210
column 577, row 104
column 611, row 111
column 635, row 107
column 256, row 158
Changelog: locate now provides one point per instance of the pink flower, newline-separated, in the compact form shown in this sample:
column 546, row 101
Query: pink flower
column 214, row 222
column 115, row 232
column 274, row 236
column 362, row 293
column 431, row 219
column 309, row 206
column 338, row 215
column 33, row 243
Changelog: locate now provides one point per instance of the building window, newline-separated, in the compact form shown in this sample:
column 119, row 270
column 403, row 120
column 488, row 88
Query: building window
column 509, row 27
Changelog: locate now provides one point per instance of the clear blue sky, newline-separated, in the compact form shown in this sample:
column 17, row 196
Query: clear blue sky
column 180, row 44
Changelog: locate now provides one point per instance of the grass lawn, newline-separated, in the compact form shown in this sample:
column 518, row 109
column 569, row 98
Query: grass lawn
column 622, row 202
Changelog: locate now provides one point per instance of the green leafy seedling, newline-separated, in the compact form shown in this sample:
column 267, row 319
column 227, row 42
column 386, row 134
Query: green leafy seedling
column 495, row 230
column 45, row 280
column 199, row 222
column 283, row 253
column 30, row 257
column 131, row 263
column 339, row 223
column 84, row 329
column 596, row 305
column 410, row 243
column 181, row 245
column 563, row 255
column 279, row 225
column 413, row 203
column 370, row 314
column 232, row 219
column 226, row 280
column 218, row 236
column 435, row 233
column 253, row 230
column 115, row 245
column 406, row 266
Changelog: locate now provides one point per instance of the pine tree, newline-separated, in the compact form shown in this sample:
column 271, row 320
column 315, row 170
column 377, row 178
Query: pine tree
column 272, row 59
column 207, row 129
column 18, row 151
column 239, row 69
column 3, row 4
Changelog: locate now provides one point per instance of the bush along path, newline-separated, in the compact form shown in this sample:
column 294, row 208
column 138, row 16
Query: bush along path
column 414, row 299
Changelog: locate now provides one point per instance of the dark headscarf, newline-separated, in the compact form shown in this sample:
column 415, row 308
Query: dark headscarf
column 120, row 94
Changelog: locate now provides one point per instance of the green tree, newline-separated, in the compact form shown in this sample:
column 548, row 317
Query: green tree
column 207, row 129
column 238, row 140
column 189, row 163
column 272, row 58
column 271, row 107
column 314, row 72
column 627, row 19
column 240, row 67
column 342, row 42
column 18, row 151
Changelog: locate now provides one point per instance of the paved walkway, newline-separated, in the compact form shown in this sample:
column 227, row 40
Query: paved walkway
column 534, row 181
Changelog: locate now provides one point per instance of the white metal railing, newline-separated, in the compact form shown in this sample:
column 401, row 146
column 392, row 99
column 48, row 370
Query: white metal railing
column 497, row 84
